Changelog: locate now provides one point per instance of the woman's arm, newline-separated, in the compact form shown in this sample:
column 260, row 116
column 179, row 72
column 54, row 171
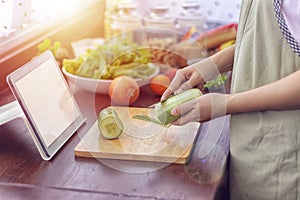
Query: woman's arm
column 224, row 59
column 283, row 94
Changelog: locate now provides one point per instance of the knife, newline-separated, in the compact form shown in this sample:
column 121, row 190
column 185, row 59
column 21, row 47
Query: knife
column 150, row 119
column 153, row 105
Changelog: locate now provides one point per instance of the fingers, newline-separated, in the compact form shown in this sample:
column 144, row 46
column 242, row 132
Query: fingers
column 189, row 111
column 166, row 94
column 201, row 87
column 184, row 79
column 178, row 79
column 184, row 108
column 190, row 83
column 184, row 120
column 201, row 109
column 191, row 76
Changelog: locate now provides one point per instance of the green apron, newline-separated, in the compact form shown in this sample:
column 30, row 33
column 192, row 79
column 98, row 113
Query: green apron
column 264, row 146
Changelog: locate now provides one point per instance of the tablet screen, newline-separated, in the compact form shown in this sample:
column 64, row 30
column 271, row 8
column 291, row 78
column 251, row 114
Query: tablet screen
column 49, row 103
column 51, row 112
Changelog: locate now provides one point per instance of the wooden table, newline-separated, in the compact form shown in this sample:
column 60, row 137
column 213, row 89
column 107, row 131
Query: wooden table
column 24, row 175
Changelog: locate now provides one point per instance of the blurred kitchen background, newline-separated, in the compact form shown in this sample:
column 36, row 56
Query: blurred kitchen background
column 18, row 14
column 24, row 24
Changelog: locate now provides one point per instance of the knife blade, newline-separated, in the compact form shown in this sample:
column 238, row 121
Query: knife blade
column 150, row 119
column 152, row 105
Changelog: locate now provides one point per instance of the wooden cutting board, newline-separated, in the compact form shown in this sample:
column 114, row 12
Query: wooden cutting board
column 140, row 140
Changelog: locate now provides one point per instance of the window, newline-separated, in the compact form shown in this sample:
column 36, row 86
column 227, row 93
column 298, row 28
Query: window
column 22, row 20
column 26, row 23
column 19, row 14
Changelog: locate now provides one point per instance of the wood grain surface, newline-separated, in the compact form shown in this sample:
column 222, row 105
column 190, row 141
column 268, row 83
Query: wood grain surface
column 140, row 140
column 90, row 178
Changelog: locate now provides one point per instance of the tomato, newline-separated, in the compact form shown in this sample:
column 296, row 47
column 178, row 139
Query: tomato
column 124, row 90
column 170, row 73
column 159, row 84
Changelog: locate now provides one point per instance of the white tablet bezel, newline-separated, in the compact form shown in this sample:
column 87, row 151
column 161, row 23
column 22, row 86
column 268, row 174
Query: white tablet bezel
column 46, row 152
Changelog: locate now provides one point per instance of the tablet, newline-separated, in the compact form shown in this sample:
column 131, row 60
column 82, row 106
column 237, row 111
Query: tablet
column 47, row 102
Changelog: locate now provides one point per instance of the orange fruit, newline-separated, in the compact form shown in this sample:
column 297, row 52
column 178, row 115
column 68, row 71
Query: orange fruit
column 170, row 73
column 159, row 84
column 124, row 90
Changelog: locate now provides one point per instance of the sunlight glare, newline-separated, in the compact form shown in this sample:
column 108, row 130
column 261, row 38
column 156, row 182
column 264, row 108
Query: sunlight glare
column 54, row 10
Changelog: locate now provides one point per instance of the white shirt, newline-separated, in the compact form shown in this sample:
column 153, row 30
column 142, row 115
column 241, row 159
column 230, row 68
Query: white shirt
column 291, row 13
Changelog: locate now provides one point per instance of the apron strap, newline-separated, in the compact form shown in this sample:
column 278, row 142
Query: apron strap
column 284, row 28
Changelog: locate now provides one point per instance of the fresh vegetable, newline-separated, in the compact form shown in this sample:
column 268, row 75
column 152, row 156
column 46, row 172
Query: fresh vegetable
column 113, row 58
column 149, row 119
column 72, row 65
column 226, row 45
column 56, row 48
column 124, row 90
column 217, row 82
column 109, row 124
column 171, row 73
column 138, row 71
column 168, row 57
column 46, row 44
column 159, row 84
column 163, row 109
column 214, row 38
column 92, row 64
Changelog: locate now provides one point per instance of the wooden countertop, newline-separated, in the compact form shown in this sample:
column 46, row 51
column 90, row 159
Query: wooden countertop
column 23, row 174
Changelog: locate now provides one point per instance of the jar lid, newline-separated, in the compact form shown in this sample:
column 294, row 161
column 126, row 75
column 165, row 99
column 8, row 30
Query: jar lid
column 127, row 7
column 191, row 13
column 159, row 17
column 127, row 14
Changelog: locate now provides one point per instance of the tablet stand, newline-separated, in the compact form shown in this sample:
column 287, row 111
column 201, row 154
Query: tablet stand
column 11, row 111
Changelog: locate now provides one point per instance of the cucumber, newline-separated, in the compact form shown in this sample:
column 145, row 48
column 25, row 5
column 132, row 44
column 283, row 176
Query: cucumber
column 163, row 108
column 109, row 124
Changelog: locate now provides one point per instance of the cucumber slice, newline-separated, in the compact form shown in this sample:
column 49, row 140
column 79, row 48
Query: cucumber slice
column 163, row 109
column 109, row 124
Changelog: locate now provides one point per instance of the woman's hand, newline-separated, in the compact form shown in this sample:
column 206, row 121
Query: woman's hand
column 191, row 76
column 201, row 72
column 201, row 109
column 283, row 94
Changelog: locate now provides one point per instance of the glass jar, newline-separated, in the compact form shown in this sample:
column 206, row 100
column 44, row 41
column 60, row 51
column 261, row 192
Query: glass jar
column 111, row 9
column 159, row 30
column 159, row 17
column 191, row 19
column 126, row 21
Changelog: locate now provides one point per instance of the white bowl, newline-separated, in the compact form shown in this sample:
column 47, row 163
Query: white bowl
column 101, row 85
column 79, row 47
